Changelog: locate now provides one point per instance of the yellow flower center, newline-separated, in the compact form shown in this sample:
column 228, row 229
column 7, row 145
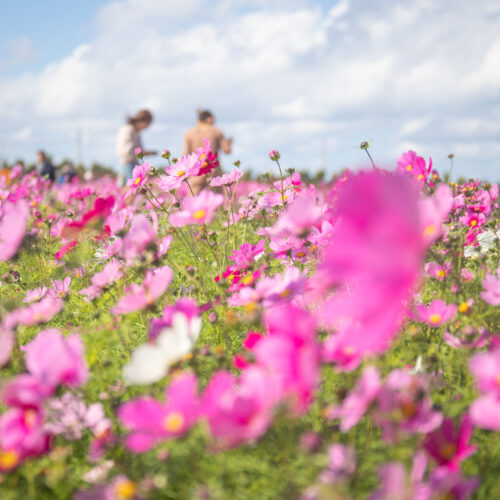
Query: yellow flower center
column 137, row 181
column 285, row 293
column 441, row 273
column 312, row 248
column 251, row 306
column 408, row 409
column 473, row 222
column 125, row 489
column 448, row 450
column 430, row 230
column 174, row 422
column 463, row 307
column 199, row 214
column 421, row 176
column 435, row 319
column 180, row 173
column 247, row 279
column 300, row 254
column 348, row 350
column 8, row 459
column 409, row 168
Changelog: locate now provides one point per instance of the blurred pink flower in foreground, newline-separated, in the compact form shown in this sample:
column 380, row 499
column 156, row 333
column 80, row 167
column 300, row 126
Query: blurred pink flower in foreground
column 151, row 422
column 13, row 222
column 491, row 286
column 371, row 265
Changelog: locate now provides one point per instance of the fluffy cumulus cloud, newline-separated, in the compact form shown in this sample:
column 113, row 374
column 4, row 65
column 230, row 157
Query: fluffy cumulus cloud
column 312, row 79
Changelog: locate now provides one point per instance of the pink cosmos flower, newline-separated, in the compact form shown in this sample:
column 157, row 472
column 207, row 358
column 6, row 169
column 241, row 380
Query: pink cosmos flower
column 247, row 254
column 35, row 294
column 239, row 410
column 291, row 354
column 467, row 275
column 301, row 215
column 70, row 416
column 111, row 272
column 120, row 488
column 473, row 220
column 140, row 235
column 341, row 463
column 403, row 405
column 491, row 289
column 414, row 166
column 54, row 360
column 446, row 483
column 13, row 222
column 150, row 422
column 395, row 483
column 186, row 166
column 138, row 297
column 198, row 209
column 60, row 287
column 139, row 177
column 6, row 345
column 436, row 313
column 21, row 436
column 358, row 400
column 433, row 211
column 370, row 267
column 437, row 271
column 39, row 312
column 448, row 445
column 227, row 179
column 469, row 338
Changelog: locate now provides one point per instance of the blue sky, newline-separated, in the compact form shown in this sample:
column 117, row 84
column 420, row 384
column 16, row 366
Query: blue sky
column 311, row 78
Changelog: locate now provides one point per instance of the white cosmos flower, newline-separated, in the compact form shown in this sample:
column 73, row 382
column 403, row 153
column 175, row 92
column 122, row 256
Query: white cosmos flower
column 486, row 242
column 151, row 362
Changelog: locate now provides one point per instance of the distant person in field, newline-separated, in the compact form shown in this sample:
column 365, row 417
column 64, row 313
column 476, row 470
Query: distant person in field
column 195, row 138
column 43, row 166
column 68, row 173
column 128, row 140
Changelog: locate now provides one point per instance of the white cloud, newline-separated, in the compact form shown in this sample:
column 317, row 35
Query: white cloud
column 280, row 74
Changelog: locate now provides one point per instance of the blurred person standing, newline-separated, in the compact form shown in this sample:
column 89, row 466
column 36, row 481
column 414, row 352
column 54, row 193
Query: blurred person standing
column 128, row 140
column 195, row 138
column 44, row 167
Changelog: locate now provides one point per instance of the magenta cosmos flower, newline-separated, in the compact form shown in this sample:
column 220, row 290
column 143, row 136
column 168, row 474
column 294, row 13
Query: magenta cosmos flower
column 54, row 360
column 449, row 445
column 436, row 313
column 197, row 209
column 139, row 177
column 150, row 422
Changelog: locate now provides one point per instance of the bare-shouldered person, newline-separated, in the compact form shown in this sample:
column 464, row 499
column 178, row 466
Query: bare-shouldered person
column 194, row 138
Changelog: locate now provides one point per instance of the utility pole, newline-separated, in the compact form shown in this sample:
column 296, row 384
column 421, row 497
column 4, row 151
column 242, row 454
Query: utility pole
column 79, row 142
column 324, row 154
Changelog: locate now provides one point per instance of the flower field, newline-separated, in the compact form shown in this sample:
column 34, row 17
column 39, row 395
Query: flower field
column 259, row 340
